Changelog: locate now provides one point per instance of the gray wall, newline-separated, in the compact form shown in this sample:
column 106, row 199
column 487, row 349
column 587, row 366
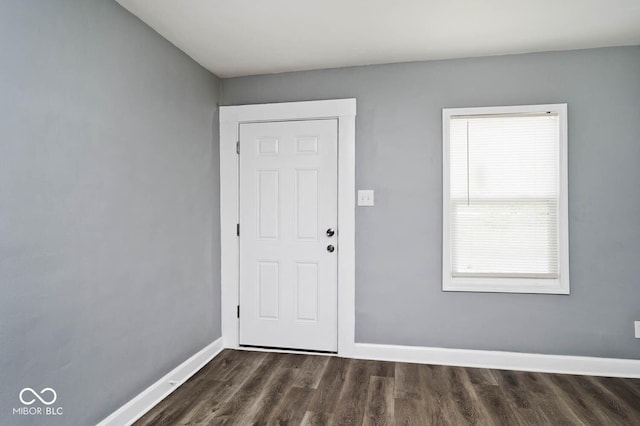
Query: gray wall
column 398, row 136
column 109, row 245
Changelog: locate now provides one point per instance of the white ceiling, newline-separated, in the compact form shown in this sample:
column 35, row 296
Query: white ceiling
column 245, row 37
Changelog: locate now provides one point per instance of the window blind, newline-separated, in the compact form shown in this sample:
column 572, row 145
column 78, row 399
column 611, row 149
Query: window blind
column 504, row 183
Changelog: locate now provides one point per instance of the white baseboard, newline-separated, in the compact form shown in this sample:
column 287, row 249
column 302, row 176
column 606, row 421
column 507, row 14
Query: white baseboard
column 150, row 397
column 582, row 365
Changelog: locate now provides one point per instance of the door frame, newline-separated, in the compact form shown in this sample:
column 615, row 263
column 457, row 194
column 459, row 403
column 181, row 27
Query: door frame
column 344, row 110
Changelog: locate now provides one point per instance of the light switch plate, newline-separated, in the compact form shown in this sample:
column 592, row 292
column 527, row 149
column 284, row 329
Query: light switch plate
column 637, row 327
column 365, row 197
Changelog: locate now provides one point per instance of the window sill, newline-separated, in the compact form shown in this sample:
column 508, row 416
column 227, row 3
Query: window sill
column 506, row 285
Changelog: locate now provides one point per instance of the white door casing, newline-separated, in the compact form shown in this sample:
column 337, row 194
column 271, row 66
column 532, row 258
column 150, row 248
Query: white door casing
column 231, row 118
column 288, row 202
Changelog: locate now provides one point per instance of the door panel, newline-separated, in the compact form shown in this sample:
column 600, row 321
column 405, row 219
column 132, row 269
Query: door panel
column 268, row 204
column 306, row 205
column 307, row 291
column 288, row 199
column 268, row 289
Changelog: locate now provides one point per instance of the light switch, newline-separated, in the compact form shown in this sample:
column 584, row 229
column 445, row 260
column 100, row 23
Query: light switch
column 365, row 197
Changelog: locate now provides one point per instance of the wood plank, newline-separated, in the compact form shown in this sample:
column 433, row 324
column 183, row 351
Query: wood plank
column 294, row 360
column 353, row 396
column 439, row 408
column 199, row 388
column 228, row 365
column 235, row 409
column 496, row 405
column 292, row 408
column 463, row 398
column 271, row 395
column 411, row 412
column 623, row 389
column 316, row 419
column 546, row 400
column 381, row 368
column 407, row 383
column 213, row 399
column 325, row 397
column 311, row 371
column 634, row 383
column 604, row 401
column 573, row 398
column 175, row 408
column 522, row 399
column 528, row 412
column 481, row 376
column 380, row 404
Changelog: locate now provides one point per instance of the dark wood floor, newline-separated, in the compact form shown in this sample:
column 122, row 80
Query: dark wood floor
column 246, row 388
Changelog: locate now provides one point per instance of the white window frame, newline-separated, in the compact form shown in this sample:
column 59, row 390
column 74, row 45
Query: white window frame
column 559, row 285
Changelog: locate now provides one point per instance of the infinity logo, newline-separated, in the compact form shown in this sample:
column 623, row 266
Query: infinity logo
column 35, row 394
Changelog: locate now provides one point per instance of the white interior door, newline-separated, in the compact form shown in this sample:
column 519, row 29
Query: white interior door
column 288, row 227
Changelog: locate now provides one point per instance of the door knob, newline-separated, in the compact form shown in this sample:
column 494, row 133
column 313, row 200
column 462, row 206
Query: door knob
column 330, row 248
column 330, row 232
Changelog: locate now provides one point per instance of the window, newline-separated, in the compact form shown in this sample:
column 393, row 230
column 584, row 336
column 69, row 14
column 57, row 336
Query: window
column 505, row 199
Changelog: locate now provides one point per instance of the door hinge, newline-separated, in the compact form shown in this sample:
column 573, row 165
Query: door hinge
column 238, row 311
column 238, row 147
column 238, row 229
